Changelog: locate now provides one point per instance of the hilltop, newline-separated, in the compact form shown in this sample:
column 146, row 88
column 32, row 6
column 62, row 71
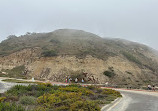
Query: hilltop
column 76, row 53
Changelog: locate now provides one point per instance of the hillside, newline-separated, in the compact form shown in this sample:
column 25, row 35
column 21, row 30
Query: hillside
column 81, row 54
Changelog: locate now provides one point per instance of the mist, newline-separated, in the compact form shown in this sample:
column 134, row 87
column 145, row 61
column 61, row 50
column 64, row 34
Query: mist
column 134, row 20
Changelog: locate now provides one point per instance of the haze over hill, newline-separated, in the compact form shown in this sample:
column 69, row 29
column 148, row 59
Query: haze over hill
column 76, row 53
column 134, row 20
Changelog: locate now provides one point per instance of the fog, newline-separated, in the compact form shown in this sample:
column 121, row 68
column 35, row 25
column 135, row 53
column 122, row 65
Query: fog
column 135, row 20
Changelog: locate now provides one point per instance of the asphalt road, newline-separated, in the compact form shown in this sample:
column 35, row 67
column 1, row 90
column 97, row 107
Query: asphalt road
column 4, row 87
column 131, row 101
column 1, row 86
column 136, row 101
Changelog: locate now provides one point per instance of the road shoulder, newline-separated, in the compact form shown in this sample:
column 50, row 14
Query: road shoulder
column 112, row 104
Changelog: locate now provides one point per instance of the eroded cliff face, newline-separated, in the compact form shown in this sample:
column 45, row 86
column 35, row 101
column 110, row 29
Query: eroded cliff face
column 57, row 68
column 92, row 69
column 23, row 57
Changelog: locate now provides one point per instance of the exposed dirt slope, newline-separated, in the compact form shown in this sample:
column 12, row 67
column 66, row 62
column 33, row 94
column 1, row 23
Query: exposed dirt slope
column 64, row 52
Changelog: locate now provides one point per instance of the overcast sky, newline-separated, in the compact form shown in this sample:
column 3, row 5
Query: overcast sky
column 135, row 20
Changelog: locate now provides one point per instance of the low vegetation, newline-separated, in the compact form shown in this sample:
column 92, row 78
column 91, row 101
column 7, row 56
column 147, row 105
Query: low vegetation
column 17, row 72
column 27, row 100
column 110, row 72
column 46, row 97
column 131, row 58
column 17, row 81
column 49, row 53
column 5, row 106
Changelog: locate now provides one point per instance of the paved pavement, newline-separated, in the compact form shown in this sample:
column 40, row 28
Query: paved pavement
column 1, row 87
column 4, row 86
column 132, row 100
column 136, row 101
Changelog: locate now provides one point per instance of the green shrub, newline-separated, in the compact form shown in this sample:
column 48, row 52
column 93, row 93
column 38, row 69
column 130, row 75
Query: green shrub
column 75, row 85
column 58, row 99
column 10, row 107
column 91, row 87
column 82, row 90
column 2, row 99
column 40, row 108
column 16, row 72
column 109, row 74
column 11, row 98
column 62, row 108
column 84, row 106
column 111, row 92
column 67, row 101
column 18, row 90
column 54, row 41
column 49, row 53
column 30, row 90
column 27, row 100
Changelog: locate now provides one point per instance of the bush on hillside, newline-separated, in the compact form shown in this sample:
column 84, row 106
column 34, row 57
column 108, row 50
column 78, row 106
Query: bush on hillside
column 49, row 53
column 54, row 41
column 15, row 72
column 130, row 57
column 109, row 74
